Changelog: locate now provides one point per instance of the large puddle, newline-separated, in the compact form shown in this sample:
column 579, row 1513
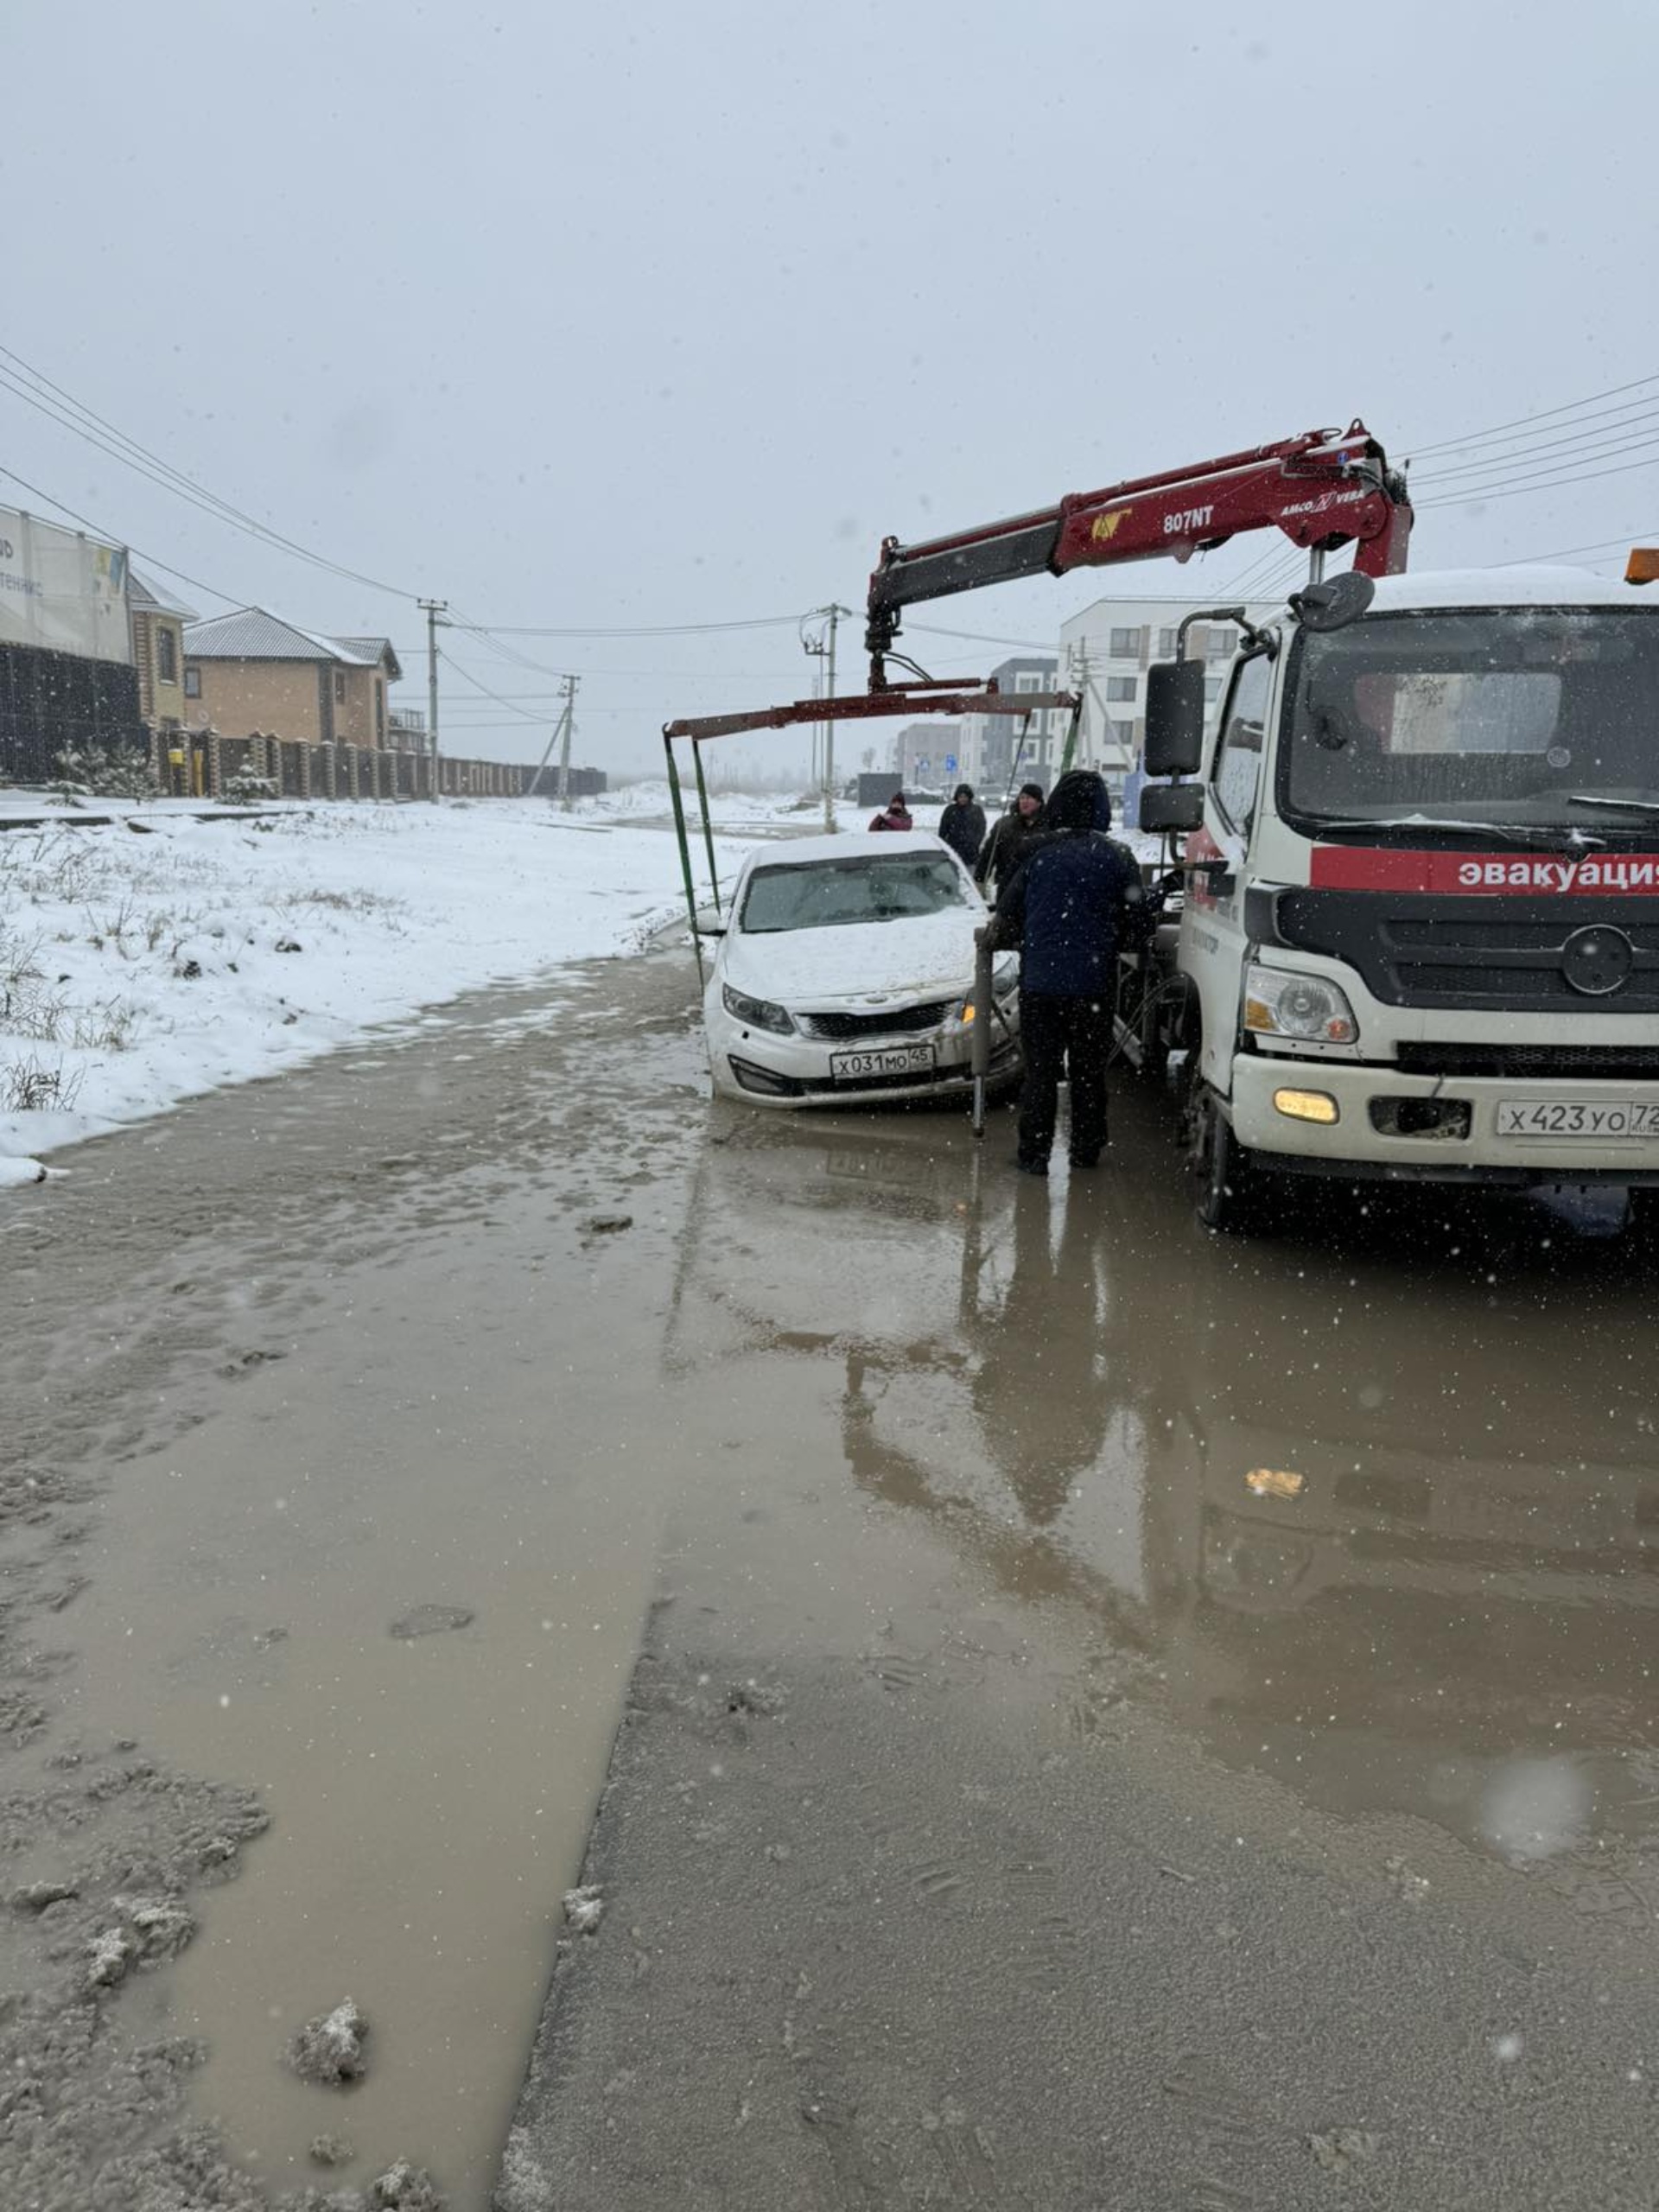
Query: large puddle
column 1036, row 1401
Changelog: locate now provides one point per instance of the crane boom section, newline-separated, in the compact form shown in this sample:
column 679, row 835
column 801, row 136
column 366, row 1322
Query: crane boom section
column 1323, row 489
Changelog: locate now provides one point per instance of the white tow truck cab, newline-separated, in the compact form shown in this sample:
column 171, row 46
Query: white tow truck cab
column 1419, row 927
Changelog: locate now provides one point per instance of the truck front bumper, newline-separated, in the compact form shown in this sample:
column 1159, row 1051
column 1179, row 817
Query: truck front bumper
column 1483, row 1145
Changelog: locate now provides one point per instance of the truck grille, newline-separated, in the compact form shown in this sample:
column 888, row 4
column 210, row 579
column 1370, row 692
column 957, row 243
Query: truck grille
column 887, row 1022
column 1582, row 1063
column 1487, row 954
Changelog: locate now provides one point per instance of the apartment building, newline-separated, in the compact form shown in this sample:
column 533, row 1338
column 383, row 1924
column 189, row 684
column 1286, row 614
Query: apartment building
column 989, row 742
column 1105, row 651
column 926, row 756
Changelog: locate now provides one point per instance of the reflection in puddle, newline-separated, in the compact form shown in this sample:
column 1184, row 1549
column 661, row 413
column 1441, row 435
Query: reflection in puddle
column 1451, row 1614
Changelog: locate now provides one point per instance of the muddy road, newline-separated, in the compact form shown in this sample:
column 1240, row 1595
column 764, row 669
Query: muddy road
column 1012, row 1804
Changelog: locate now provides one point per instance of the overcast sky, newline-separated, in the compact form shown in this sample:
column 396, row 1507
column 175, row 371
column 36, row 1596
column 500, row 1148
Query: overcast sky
column 663, row 314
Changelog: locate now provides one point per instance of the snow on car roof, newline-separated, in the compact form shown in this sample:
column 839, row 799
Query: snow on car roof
column 849, row 845
column 1517, row 587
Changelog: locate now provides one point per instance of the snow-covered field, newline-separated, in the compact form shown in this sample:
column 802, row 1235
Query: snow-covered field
column 139, row 966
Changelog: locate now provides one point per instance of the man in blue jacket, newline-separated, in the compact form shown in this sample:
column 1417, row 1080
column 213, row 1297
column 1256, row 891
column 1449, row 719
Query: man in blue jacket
column 1075, row 898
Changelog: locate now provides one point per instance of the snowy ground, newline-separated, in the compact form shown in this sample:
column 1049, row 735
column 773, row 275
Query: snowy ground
column 138, row 967
column 177, row 949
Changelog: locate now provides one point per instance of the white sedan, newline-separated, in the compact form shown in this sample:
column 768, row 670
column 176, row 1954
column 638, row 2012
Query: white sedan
column 844, row 974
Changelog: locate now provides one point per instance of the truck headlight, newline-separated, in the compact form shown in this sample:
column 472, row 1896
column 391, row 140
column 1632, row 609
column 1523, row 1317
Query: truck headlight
column 1278, row 1002
column 760, row 1014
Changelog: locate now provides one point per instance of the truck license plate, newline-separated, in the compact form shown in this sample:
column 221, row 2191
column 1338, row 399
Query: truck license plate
column 1575, row 1117
column 896, row 1059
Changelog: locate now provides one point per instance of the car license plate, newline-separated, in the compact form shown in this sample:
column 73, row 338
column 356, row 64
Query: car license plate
column 1575, row 1117
column 894, row 1059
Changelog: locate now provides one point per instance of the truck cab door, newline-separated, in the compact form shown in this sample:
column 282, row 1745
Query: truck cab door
column 1213, row 944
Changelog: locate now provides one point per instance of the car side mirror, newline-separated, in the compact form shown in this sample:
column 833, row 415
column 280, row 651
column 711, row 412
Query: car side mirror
column 1174, row 743
column 1165, row 807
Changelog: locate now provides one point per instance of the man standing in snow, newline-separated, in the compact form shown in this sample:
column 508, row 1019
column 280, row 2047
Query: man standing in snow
column 1004, row 849
column 1075, row 896
column 962, row 827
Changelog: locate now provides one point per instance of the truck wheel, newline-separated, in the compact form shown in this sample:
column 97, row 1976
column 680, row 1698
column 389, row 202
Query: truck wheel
column 1224, row 1184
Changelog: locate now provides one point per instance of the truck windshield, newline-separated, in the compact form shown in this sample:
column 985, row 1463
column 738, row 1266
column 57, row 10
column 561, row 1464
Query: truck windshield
column 1524, row 717
column 832, row 894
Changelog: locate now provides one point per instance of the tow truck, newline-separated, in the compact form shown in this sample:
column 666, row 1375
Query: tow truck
column 1412, row 874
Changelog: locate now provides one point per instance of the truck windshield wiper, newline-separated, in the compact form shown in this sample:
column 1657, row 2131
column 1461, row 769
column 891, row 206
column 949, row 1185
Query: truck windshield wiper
column 1509, row 833
column 1630, row 805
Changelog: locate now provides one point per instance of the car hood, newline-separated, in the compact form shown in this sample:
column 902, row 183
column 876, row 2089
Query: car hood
column 871, row 964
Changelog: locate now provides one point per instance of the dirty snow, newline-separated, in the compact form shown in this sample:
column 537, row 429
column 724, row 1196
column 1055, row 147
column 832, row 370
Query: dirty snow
column 162, row 954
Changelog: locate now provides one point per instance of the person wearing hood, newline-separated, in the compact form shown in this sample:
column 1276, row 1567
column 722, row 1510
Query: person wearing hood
column 1005, row 847
column 1076, row 896
column 897, row 816
column 962, row 827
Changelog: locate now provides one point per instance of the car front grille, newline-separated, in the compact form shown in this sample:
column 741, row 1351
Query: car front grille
column 887, row 1022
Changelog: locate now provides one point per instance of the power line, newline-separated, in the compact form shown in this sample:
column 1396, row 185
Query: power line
column 1506, row 489
column 74, row 416
column 1602, row 545
column 1521, row 421
column 1630, row 418
column 477, row 684
column 1598, row 451
column 114, row 537
column 645, row 630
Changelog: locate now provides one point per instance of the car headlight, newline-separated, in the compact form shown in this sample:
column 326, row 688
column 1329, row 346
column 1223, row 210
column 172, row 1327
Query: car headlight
column 760, row 1014
column 1005, row 973
column 1278, row 1002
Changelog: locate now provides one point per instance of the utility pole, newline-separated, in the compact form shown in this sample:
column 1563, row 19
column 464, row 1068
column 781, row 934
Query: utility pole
column 824, row 649
column 433, row 609
column 568, row 720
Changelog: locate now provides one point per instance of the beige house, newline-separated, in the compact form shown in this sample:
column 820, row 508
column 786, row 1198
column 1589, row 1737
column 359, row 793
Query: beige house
column 251, row 674
column 157, row 626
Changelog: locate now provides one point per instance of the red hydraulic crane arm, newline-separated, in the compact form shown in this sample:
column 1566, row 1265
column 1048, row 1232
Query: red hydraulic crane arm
column 1324, row 490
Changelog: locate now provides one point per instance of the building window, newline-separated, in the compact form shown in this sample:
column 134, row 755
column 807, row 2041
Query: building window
column 1124, row 645
column 1124, row 735
column 167, row 655
column 1121, row 688
column 1221, row 645
column 339, row 687
column 1167, row 645
column 193, row 684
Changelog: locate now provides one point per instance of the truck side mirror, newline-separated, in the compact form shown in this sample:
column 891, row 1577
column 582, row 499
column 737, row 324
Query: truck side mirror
column 1174, row 743
column 1172, row 806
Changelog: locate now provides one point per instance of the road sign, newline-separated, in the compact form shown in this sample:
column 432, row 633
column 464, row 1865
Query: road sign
column 923, row 763
column 949, row 764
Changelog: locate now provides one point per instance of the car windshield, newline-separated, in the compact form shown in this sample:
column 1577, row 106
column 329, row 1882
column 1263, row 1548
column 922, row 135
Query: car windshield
column 836, row 894
column 1544, row 717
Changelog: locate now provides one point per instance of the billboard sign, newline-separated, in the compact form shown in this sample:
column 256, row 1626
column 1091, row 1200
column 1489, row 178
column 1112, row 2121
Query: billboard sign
column 61, row 591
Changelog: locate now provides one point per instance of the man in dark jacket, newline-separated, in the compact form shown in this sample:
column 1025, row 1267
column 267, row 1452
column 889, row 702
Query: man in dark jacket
column 1075, row 896
column 962, row 826
column 1003, row 850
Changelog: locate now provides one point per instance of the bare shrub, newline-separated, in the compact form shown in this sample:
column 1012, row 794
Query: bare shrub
column 31, row 1086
